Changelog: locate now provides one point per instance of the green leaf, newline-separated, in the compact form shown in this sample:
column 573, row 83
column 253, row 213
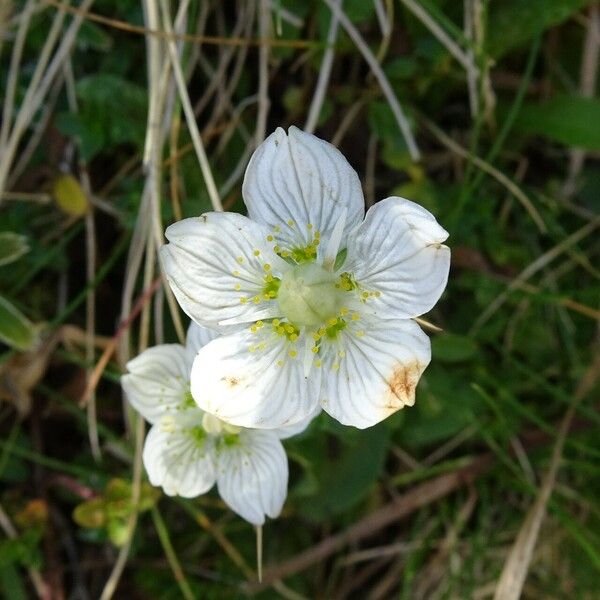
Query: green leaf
column 15, row 329
column 571, row 120
column 112, row 112
column 450, row 347
column 445, row 405
column 92, row 36
column 346, row 474
column 359, row 11
column 90, row 513
column 11, row 583
column 513, row 22
column 12, row 247
column 403, row 67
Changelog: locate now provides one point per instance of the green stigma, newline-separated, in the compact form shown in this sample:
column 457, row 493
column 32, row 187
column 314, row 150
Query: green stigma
column 308, row 295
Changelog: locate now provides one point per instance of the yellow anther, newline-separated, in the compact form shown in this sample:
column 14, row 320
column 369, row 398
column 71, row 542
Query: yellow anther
column 268, row 278
column 365, row 295
column 259, row 324
column 316, row 336
column 341, row 354
column 335, row 367
column 293, row 337
column 360, row 333
column 236, row 273
column 293, row 353
column 332, row 321
column 377, row 294
column 309, row 226
column 314, row 349
column 290, row 223
column 318, row 363
column 270, row 238
column 276, row 322
column 276, row 229
column 355, row 317
column 240, row 259
column 238, row 286
column 253, row 328
column 289, row 328
column 285, row 254
column 243, row 300
column 256, row 299
column 344, row 311
column 267, row 267
column 280, row 363
column 257, row 253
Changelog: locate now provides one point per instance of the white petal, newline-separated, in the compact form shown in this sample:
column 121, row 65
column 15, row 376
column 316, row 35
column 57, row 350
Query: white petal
column 264, row 388
column 283, row 433
column 210, row 257
column 301, row 179
column 197, row 337
column 398, row 253
column 252, row 475
column 373, row 371
column 177, row 463
column 158, row 380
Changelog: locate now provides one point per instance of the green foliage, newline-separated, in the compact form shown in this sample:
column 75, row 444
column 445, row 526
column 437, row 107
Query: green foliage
column 110, row 114
column 451, row 347
column 111, row 510
column 496, row 388
column 340, row 470
column 570, row 120
column 12, row 247
column 524, row 19
column 16, row 329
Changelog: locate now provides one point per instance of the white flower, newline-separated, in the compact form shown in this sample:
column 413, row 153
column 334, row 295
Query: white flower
column 316, row 303
column 187, row 450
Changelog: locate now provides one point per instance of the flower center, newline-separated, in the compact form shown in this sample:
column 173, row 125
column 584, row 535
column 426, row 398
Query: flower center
column 308, row 296
column 215, row 426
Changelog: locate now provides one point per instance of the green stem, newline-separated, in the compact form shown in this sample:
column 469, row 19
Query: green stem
column 165, row 540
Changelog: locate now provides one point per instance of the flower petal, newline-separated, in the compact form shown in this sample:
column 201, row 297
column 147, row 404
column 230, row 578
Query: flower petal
column 297, row 179
column 216, row 267
column 398, row 254
column 158, row 380
column 197, row 337
column 252, row 475
column 373, row 372
column 177, row 462
column 251, row 380
column 284, row 433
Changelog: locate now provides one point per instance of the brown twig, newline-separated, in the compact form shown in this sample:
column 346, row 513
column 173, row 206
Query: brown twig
column 419, row 496
column 199, row 39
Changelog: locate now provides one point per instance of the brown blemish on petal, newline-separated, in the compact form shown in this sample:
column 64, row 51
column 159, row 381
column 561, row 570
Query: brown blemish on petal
column 231, row 381
column 401, row 386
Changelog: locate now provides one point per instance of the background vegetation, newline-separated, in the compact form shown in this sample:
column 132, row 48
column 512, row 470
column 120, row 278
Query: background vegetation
column 490, row 485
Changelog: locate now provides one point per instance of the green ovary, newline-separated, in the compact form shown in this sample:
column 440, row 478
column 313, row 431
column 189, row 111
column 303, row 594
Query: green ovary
column 308, row 296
